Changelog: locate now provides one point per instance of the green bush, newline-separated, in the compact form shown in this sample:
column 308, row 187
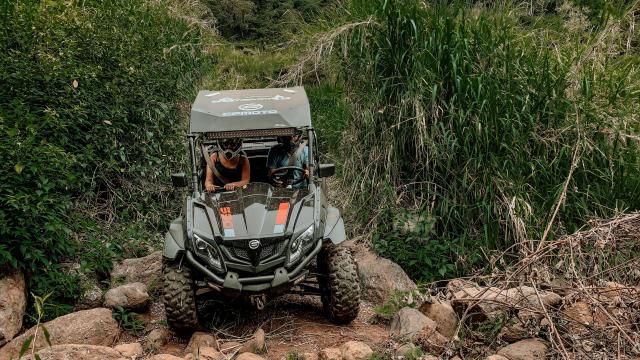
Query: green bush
column 475, row 126
column 267, row 20
column 89, row 124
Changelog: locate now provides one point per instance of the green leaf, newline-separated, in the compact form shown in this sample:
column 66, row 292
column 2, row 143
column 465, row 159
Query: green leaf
column 47, row 337
column 37, row 356
column 18, row 167
column 25, row 346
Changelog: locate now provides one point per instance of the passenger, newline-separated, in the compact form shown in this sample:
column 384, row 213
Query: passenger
column 290, row 151
column 230, row 168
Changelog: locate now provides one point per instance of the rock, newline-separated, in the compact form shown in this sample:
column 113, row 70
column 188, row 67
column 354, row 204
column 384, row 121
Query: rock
column 496, row 357
column 132, row 296
column 309, row 356
column 249, row 356
column 493, row 303
column 157, row 337
column 230, row 346
column 129, row 350
column 428, row 357
column 76, row 352
column 13, row 303
column 146, row 270
column 330, row 354
column 91, row 298
column 380, row 277
column 406, row 349
column 583, row 317
column 189, row 356
column 164, row 357
column 355, row 350
column 200, row 339
column 444, row 316
column 209, row 353
column 88, row 327
column 408, row 322
column 456, row 285
column 431, row 341
column 256, row 344
column 513, row 332
column 528, row 349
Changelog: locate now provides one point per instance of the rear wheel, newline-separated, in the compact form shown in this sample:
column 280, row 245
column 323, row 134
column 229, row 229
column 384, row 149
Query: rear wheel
column 179, row 297
column 339, row 284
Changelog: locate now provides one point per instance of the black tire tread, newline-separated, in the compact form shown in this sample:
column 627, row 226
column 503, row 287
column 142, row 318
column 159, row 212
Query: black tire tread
column 179, row 297
column 340, row 285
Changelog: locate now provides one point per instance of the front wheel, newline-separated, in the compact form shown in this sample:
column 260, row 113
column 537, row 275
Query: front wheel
column 179, row 297
column 339, row 284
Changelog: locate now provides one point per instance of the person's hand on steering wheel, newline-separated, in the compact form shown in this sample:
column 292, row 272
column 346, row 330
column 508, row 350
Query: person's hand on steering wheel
column 212, row 188
column 231, row 186
column 277, row 176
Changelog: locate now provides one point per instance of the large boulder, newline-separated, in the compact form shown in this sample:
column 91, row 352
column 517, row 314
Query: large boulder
column 355, row 350
column 408, row 323
column 147, row 270
column 13, row 302
column 444, row 316
column 528, row 349
column 77, row 351
column 132, row 296
column 381, row 277
column 87, row 327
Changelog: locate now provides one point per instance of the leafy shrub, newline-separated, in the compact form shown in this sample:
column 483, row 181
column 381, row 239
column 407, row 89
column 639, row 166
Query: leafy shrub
column 128, row 320
column 89, row 122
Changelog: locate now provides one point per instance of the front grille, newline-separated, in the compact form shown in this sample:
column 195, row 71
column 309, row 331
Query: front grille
column 268, row 248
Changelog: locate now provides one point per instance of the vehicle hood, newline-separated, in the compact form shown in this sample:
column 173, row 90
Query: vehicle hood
column 257, row 211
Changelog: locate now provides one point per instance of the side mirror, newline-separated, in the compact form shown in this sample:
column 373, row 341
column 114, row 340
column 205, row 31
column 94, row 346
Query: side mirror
column 179, row 180
column 326, row 170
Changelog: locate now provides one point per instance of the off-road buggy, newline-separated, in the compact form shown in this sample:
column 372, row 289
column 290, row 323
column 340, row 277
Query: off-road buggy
column 268, row 238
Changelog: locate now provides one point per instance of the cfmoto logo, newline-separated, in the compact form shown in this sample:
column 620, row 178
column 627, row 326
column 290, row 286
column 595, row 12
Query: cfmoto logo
column 250, row 107
column 254, row 244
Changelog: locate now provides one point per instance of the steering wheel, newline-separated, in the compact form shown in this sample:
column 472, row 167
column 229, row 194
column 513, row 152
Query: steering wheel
column 278, row 176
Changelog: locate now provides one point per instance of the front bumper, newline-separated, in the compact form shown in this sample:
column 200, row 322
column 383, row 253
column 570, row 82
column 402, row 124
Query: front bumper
column 281, row 278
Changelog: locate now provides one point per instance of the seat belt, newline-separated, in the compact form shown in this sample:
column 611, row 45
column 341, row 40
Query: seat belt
column 294, row 157
column 215, row 171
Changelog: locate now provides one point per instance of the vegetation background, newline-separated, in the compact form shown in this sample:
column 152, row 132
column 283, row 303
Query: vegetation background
column 469, row 132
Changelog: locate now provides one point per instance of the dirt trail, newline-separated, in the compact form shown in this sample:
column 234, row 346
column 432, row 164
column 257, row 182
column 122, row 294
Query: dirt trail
column 292, row 324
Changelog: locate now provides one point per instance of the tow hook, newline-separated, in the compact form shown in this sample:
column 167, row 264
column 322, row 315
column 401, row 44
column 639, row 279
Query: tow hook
column 258, row 301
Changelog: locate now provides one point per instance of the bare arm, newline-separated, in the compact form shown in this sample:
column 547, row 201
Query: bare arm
column 209, row 180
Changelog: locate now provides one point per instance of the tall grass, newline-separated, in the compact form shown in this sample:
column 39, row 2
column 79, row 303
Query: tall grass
column 467, row 133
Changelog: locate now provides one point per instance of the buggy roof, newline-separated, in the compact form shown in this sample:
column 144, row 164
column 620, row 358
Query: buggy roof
column 250, row 109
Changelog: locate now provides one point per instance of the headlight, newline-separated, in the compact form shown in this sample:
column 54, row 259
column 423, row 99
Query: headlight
column 295, row 246
column 208, row 253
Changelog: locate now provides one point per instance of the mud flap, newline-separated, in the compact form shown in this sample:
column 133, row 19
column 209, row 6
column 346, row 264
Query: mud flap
column 174, row 240
column 334, row 227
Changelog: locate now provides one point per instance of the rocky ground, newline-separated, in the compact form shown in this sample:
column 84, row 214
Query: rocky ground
column 502, row 317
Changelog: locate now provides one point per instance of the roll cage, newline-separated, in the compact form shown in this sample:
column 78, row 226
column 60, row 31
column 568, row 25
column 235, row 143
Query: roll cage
column 256, row 146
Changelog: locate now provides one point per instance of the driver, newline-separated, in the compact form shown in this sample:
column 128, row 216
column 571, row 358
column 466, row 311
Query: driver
column 230, row 168
column 290, row 151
